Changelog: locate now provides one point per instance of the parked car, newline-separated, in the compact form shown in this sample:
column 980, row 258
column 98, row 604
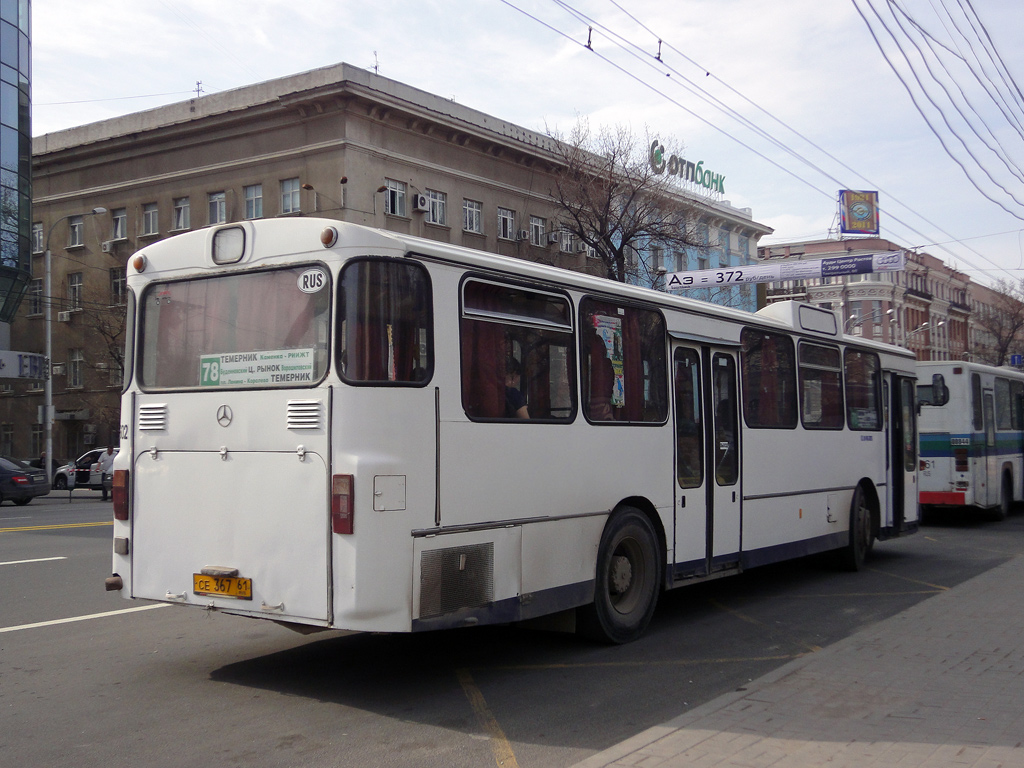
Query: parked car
column 83, row 473
column 20, row 482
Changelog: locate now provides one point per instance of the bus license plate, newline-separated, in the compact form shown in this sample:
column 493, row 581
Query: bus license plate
column 222, row 586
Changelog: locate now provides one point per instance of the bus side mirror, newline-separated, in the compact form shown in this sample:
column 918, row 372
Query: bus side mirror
column 940, row 394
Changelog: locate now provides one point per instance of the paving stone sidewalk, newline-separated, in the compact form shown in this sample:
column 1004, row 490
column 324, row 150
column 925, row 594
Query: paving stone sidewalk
column 941, row 684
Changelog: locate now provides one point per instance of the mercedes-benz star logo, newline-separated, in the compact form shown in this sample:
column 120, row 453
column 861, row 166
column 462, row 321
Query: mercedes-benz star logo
column 224, row 415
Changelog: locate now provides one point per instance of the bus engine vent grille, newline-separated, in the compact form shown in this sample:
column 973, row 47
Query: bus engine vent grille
column 153, row 416
column 304, row 414
column 459, row 577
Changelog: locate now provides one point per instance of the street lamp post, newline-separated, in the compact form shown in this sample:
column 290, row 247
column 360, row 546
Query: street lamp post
column 48, row 380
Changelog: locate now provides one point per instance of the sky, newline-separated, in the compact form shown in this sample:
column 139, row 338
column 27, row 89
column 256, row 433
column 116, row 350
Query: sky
column 791, row 100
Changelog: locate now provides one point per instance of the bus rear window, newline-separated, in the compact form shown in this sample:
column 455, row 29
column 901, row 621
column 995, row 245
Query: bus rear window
column 385, row 317
column 240, row 331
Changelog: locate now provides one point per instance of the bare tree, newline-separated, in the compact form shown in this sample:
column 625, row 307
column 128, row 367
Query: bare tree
column 1001, row 323
column 612, row 199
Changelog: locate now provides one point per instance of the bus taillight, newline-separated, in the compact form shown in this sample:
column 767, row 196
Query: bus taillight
column 119, row 492
column 341, row 503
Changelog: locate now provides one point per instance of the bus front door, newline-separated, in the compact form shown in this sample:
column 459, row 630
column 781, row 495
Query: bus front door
column 707, row 529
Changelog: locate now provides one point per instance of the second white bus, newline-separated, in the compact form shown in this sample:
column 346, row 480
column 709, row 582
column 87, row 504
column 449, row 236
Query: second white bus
column 972, row 436
column 330, row 426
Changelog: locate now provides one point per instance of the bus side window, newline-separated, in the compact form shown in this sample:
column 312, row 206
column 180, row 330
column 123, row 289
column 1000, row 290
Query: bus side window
column 769, row 379
column 385, row 323
column 624, row 370
column 517, row 354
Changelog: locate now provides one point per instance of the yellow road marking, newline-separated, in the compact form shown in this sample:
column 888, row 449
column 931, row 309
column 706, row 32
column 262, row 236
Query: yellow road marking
column 502, row 750
column 743, row 617
column 53, row 527
column 907, row 578
column 669, row 663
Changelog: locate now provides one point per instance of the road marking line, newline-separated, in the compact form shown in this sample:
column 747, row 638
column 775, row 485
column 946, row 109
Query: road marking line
column 503, row 754
column 638, row 664
column 82, row 618
column 37, row 560
column 53, row 527
column 751, row 620
column 907, row 578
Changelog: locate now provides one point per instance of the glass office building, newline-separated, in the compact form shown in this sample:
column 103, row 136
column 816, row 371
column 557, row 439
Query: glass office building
column 15, row 155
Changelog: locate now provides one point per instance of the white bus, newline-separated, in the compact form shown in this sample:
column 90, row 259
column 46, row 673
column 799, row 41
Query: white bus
column 338, row 427
column 972, row 436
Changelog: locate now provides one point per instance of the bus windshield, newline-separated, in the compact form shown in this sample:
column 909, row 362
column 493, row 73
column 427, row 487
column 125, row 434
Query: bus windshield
column 249, row 330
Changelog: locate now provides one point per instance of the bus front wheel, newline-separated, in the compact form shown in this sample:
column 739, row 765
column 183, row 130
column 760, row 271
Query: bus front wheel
column 628, row 580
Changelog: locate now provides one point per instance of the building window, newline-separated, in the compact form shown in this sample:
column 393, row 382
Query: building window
column 118, row 285
column 394, row 199
column 472, row 216
column 181, row 213
column 76, row 362
column 119, row 224
column 150, row 219
column 35, row 297
column 567, row 241
column 218, row 208
column 7, row 439
column 75, row 232
column 75, row 290
column 290, row 201
column 537, row 227
column 506, row 224
column 254, row 201
column 38, row 444
column 38, row 243
column 437, row 207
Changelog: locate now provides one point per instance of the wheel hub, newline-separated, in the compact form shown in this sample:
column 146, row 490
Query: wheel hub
column 620, row 575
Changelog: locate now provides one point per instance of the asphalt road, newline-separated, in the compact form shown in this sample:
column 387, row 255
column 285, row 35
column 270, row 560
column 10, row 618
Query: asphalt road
column 89, row 679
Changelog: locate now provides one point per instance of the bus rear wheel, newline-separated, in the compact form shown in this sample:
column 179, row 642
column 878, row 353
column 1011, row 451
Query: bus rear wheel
column 862, row 532
column 628, row 580
column 1005, row 498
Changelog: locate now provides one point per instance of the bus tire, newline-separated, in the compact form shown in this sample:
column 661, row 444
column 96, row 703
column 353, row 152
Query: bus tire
column 1005, row 498
column 627, row 582
column 862, row 531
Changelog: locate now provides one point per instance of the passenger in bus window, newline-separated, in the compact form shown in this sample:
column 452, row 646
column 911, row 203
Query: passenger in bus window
column 515, row 402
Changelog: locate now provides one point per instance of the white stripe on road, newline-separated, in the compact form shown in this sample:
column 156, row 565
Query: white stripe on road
column 37, row 560
column 82, row 618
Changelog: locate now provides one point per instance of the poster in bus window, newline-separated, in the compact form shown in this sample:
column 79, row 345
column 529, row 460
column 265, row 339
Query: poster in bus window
column 609, row 329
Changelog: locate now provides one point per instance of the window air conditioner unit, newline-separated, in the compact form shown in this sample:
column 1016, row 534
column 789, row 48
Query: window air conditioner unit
column 57, row 369
column 524, row 235
column 107, row 246
column 581, row 247
column 554, row 237
column 63, row 317
column 419, row 203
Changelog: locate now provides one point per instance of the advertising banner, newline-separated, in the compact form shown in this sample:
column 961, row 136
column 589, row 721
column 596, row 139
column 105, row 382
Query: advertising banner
column 807, row 269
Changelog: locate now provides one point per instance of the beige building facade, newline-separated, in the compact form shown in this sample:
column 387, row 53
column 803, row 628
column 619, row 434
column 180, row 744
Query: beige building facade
column 338, row 142
column 930, row 308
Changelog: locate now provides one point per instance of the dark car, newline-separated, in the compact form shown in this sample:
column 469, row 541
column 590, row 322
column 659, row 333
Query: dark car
column 20, row 482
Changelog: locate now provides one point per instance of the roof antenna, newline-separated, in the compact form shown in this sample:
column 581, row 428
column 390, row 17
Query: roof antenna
column 198, row 89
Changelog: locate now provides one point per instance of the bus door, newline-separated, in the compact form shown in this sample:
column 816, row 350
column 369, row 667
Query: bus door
column 707, row 529
column 986, row 472
column 901, row 455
